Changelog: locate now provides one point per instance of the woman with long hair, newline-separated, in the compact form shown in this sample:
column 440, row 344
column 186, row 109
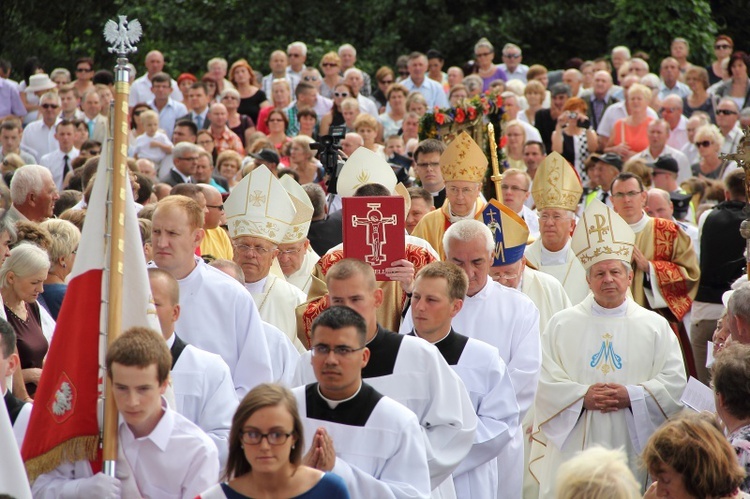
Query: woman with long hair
column 335, row 117
column 252, row 98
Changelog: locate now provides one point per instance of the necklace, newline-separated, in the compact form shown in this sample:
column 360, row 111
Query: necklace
column 24, row 321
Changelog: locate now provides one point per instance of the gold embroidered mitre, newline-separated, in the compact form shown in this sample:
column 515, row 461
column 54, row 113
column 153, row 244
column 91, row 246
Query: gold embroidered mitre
column 601, row 234
column 260, row 207
column 556, row 184
column 463, row 160
column 365, row 167
column 304, row 207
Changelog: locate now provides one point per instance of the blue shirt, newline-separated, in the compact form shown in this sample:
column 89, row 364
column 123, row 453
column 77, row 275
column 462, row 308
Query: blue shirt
column 431, row 90
column 10, row 100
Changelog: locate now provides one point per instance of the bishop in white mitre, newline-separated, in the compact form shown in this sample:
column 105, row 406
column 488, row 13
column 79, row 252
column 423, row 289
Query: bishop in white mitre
column 296, row 257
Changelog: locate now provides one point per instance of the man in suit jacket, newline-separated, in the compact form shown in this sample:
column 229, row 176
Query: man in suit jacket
column 185, row 157
column 325, row 232
column 198, row 100
column 92, row 108
column 599, row 98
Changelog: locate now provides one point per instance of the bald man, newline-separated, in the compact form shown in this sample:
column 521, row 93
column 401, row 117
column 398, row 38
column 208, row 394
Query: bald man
column 140, row 90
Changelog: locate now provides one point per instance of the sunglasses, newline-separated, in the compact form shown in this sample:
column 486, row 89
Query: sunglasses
column 49, row 106
column 705, row 143
column 386, row 82
column 139, row 112
column 727, row 112
column 329, row 64
column 512, row 56
column 311, row 78
column 722, row 47
column 343, row 94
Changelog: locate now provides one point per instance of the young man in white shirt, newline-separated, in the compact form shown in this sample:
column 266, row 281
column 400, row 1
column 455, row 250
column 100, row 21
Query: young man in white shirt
column 161, row 454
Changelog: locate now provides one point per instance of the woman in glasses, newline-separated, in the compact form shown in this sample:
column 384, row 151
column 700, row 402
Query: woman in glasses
column 330, row 64
column 737, row 87
column 335, row 117
column 392, row 120
column 385, row 78
column 723, row 46
column 484, row 53
column 265, row 452
column 708, row 141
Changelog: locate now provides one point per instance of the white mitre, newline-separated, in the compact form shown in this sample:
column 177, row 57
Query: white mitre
column 260, row 207
column 601, row 234
column 304, row 207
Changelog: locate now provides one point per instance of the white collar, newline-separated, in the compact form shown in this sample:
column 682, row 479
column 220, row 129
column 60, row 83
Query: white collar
column 257, row 286
column 619, row 311
column 456, row 218
column 334, row 403
column 161, row 433
column 640, row 224
column 555, row 257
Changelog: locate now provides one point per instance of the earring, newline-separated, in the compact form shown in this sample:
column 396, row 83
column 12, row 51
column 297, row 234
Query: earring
column 293, row 446
column 64, row 266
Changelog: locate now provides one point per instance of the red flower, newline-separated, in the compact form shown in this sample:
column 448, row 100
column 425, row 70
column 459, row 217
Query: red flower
column 460, row 115
column 439, row 118
column 499, row 101
column 503, row 141
column 472, row 113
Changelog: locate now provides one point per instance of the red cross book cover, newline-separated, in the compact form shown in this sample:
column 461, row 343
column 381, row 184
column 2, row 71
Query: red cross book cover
column 374, row 231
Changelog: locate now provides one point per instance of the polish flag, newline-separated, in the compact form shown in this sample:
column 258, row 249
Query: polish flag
column 63, row 421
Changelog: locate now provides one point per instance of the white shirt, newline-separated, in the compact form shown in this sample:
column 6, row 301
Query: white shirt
column 140, row 91
column 145, row 150
column 169, row 114
column 678, row 136
column 431, row 90
column 683, row 164
column 284, row 354
column 518, row 74
column 176, row 460
column 219, row 315
column 367, row 106
column 322, row 106
column 268, row 81
column 40, row 138
column 55, row 163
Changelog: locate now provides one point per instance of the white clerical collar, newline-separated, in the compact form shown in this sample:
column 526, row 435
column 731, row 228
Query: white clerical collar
column 171, row 339
column 618, row 311
column 640, row 224
column 433, row 342
column 334, row 403
column 456, row 218
column 257, row 286
column 555, row 257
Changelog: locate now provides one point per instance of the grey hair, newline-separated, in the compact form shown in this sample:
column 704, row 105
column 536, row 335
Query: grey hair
column 52, row 96
column 65, row 238
column 219, row 60
column 183, row 148
column 739, row 303
column 351, row 71
column 729, row 99
column 230, row 268
column 230, row 91
column 25, row 259
column 299, row 45
column 483, row 42
column 628, row 269
column 347, row 46
column 28, row 179
column 710, row 132
column 597, row 472
column 8, row 226
column 472, row 82
column 510, row 46
column 59, row 71
column 623, row 49
column 468, row 230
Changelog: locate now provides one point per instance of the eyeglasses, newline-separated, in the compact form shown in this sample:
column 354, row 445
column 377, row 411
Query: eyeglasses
column 329, row 65
column 668, row 109
column 190, row 158
column 83, row 70
column 219, row 207
column 386, row 82
column 512, row 56
column 504, row 277
column 629, row 194
column 483, row 54
column 254, row 437
column 340, row 94
column 321, row 350
column 229, row 97
column 139, row 112
column 295, row 55
column 512, row 188
column 311, row 78
column 465, row 191
column 258, row 250
column 95, row 152
column 546, row 217
column 727, row 112
column 434, row 165
column 722, row 46
column 50, row 106
column 205, row 142
column 704, row 143
column 289, row 252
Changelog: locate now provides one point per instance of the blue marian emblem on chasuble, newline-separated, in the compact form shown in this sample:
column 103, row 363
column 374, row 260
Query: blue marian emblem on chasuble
column 606, row 359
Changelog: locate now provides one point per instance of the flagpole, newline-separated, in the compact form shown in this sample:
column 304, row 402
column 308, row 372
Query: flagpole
column 122, row 35
column 496, row 176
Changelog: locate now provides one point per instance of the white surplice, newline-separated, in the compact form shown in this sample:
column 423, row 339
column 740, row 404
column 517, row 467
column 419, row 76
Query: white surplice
column 380, row 451
column 563, row 266
column 412, row 372
column 491, row 391
column 218, row 315
column 284, row 356
column 587, row 344
column 276, row 303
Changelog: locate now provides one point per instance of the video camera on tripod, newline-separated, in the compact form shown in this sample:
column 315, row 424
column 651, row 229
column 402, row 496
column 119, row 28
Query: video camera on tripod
column 328, row 147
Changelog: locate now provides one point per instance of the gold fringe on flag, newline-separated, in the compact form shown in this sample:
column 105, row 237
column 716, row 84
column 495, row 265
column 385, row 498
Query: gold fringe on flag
column 75, row 449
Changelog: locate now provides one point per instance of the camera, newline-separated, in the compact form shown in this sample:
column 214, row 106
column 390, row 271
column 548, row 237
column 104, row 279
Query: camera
column 572, row 115
column 328, row 147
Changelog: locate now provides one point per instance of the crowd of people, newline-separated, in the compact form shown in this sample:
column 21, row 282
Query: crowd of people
column 536, row 345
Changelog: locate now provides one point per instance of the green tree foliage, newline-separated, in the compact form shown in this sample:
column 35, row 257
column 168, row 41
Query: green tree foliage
column 689, row 19
column 189, row 32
